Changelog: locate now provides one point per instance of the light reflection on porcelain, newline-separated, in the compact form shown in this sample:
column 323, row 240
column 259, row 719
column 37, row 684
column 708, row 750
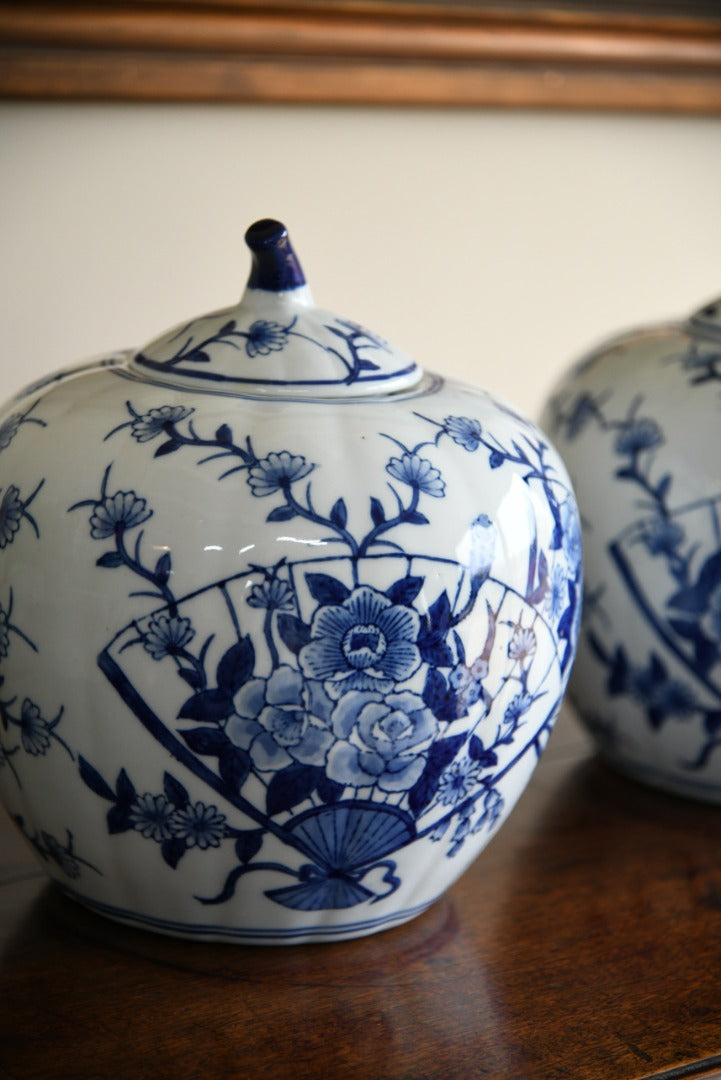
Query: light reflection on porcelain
column 637, row 423
column 285, row 622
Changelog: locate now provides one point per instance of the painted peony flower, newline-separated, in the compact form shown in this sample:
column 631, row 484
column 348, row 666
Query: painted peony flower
column 365, row 643
column 380, row 740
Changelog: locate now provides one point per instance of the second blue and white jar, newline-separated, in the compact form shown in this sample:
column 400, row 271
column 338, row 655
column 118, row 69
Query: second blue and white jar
column 638, row 422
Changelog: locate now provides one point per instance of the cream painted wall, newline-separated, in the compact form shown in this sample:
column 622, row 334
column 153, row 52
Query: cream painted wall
column 493, row 246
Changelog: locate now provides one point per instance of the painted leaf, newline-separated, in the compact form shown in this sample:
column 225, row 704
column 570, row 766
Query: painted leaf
column 162, row 568
column 443, row 752
column 173, row 850
column 248, row 844
column 193, row 677
column 234, row 765
column 439, row 697
column 281, row 513
column 326, row 589
column 94, row 780
column 439, row 614
column 405, row 590
column 339, row 514
column 378, row 514
column 422, row 792
column 477, row 752
column 294, row 633
column 291, row 786
column 125, row 792
column 236, row 666
column 208, row 705
column 168, row 447
column 175, row 793
column 110, row 560
column 206, row 741
column 118, row 819
column 328, row 790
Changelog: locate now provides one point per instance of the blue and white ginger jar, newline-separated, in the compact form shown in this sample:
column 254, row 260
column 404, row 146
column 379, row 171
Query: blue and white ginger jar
column 284, row 622
column 637, row 422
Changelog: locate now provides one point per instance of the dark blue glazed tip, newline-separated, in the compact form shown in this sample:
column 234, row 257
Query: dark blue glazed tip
column 275, row 265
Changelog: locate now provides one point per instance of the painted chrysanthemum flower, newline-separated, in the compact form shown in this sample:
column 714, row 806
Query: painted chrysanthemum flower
column 418, row 473
column 34, row 730
column 458, row 780
column 167, row 635
column 365, row 643
column 464, row 431
column 282, row 719
column 157, row 421
column 637, row 435
column 274, row 595
column 152, row 816
column 517, row 707
column 277, row 472
column 115, row 513
column 11, row 512
column 380, row 740
column 199, row 825
column 522, row 644
column 265, row 337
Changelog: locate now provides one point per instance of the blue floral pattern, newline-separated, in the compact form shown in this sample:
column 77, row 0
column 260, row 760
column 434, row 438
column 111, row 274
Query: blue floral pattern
column 680, row 681
column 350, row 349
column 338, row 713
column 364, row 643
column 52, row 850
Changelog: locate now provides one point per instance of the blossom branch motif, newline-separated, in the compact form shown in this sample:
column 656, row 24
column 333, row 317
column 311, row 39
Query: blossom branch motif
column 112, row 517
column 359, row 720
column 36, row 733
column 13, row 509
column 169, row 818
column 260, row 339
column 263, row 337
column 7, row 628
column 164, row 420
column 52, row 850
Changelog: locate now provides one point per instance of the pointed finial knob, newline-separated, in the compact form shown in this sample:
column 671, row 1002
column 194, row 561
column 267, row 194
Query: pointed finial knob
column 275, row 266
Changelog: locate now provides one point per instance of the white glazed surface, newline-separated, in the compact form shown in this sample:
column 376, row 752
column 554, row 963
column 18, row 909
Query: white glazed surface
column 637, row 425
column 274, row 670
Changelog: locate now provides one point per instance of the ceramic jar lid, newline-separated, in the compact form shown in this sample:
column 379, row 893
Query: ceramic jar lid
column 275, row 341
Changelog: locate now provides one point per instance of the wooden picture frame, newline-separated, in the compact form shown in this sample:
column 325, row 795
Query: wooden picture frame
column 643, row 56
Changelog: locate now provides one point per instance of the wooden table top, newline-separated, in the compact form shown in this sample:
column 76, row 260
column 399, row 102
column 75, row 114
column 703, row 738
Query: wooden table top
column 584, row 943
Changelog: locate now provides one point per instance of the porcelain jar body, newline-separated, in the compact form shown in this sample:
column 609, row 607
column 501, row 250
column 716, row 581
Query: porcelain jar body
column 637, row 422
column 274, row 669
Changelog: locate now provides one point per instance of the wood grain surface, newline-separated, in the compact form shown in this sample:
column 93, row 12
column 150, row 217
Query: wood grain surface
column 643, row 56
column 584, row 943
